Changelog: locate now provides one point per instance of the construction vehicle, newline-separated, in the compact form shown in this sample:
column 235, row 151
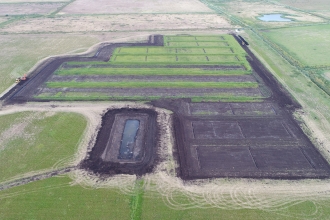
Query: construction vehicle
column 19, row 79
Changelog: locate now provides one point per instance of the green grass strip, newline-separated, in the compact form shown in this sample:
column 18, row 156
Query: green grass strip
column 148, row 71
column 136, row 201
column 152, row 84
column 104, row 97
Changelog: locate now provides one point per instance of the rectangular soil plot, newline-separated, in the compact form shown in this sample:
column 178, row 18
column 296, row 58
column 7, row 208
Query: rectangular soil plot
column 225, row 158
column 280, row 158
column 216, row 130
column 205, row 109
column 265, row 129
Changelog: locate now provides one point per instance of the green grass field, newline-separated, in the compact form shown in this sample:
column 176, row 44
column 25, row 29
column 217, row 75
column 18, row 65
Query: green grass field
column 309, row 45
column 37, row 141
column 56, row 197
column 152, row 84
column 79, row 96
column 148, row 71
column 157, row 59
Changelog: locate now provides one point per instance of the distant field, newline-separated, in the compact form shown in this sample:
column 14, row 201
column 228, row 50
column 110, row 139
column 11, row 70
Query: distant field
column 310, row 48
column 307, row 5
column 248, row 11
column 20, row 53
column 141, row 6
column 28, row 8
column 32, row 141
column 119, row 22
column 33, row 1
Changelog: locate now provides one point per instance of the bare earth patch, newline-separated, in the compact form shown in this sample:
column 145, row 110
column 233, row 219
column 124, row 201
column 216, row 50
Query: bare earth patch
column 28, row 8
column 135, row 6
column 118, row 23
column 327, row 75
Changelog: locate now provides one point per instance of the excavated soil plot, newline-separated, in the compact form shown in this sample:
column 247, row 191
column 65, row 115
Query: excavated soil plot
column 249, row 139
column 126, row 143
column 254, row 140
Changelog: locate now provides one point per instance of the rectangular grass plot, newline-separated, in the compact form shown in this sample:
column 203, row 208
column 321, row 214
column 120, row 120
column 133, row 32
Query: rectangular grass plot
column 280, row 158
column 216, row 130
column 221, row 158
column 190, row 51
column 222, row 58
column 212, row 44
column 132, row 50
column 182, row 44
column 219, row 50
column 130, row 58
column 161, row 58
column 161, row 50
column 192, row 59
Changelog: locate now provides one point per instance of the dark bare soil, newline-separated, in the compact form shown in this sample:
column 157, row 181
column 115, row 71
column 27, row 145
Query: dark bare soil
column 96, row 163
column 252, row 140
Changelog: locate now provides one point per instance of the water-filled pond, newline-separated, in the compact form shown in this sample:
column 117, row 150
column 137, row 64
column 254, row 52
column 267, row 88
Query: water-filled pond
column 128, row 140
column 274, row 17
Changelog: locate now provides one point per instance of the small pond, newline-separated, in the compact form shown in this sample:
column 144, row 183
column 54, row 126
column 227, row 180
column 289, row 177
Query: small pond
column 128, row 139
column 274, row 17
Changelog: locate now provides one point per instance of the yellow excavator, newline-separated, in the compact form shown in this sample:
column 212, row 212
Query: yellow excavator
column 19, row 79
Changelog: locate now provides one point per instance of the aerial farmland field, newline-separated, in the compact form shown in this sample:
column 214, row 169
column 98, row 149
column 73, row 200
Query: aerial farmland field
column 164, row 110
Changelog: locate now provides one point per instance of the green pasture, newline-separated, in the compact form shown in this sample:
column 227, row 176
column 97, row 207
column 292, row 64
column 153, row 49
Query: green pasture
column 39, row 143
column 309, row 45
column 148, row 71
column 171, row 84
column 57, row 198
column 155, row 206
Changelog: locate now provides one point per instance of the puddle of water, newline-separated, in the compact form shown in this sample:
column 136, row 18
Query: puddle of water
column 128, row 140
column 274, row 17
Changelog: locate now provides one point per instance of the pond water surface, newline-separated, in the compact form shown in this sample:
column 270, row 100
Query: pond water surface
column 128, row 139
column 274, row 17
